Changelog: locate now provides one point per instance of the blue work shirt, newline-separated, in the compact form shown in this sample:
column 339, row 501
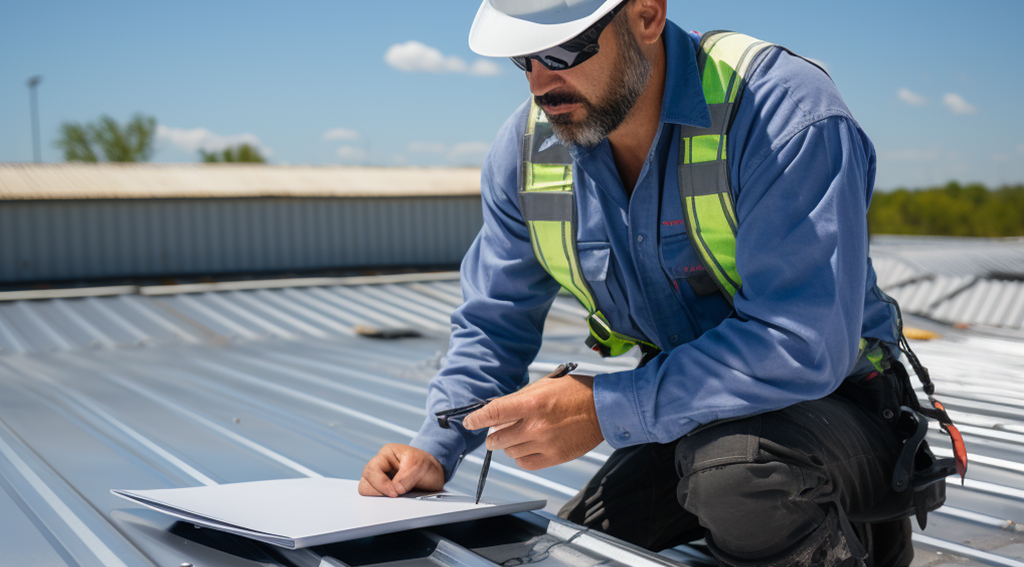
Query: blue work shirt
column 802, row 173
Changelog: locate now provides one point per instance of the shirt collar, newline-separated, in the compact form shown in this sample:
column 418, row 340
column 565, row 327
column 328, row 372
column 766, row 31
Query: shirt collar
column 683, row 101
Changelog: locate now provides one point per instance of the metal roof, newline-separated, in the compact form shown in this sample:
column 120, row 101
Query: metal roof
column 183, row 386
column 963, row 281
column 78, row 181
column 953, row 255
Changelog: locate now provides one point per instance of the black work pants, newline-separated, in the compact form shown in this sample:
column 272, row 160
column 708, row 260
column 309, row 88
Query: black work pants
column 763, row 490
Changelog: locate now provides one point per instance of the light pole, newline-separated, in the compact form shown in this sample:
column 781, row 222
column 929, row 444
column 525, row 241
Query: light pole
column 34, row 101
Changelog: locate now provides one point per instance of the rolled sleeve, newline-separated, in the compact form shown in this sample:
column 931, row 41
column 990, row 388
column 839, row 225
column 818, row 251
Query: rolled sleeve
column 801, row 253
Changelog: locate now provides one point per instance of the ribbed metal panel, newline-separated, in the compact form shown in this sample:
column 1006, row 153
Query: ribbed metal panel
column 162, row 390
column 921, row 297
column 99, row 239
column 954, row 256
column 970, row 281
column 893, row 272
column 989, row 302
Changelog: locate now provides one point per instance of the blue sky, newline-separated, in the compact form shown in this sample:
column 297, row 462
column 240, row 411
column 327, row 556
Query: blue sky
column 933, row 83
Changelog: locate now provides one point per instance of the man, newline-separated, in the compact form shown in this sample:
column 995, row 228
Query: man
column 734, row 427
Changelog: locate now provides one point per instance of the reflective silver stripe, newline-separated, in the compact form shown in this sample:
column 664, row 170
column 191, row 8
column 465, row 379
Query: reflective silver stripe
column 719, row 119
column 720, row 116
column 546, row 206
column 691, row 131
column 553, row 153
column 545, row 147
column 707, row 178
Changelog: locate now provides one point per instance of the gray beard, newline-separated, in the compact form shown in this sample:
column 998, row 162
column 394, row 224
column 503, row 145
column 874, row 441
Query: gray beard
column 628, row 79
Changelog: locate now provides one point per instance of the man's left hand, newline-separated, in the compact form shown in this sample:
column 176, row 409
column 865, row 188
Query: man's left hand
column 547, row 423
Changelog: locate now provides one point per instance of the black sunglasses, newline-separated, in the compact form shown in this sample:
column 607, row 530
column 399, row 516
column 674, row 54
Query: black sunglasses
column 571, row 53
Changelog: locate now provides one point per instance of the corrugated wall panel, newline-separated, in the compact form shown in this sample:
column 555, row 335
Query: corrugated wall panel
column 80, row 240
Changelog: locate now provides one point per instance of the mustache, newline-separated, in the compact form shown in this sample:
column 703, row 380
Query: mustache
column 555, row 99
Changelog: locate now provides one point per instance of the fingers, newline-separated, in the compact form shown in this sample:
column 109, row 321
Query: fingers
column 535, row 462
column 376, row 477
column 517, row 452
column 366, row 489
column 501, row 411
column 419, row 470
column 398, row 469
column 507, row 436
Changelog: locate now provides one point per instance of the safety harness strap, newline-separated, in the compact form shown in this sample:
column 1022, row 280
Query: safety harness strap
column 548, row 204
column 704, row 188
column 547, row 200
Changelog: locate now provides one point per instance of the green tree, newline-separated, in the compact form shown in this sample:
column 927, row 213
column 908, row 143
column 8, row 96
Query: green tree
column 951, row 210
column 242, row 153
column 74, row 140
column 132, row 142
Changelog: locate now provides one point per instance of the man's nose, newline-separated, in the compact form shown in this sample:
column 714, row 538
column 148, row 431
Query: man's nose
column 543, row 80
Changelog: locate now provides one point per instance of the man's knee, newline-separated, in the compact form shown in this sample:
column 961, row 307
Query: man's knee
column 756, row 497
column 752, row 509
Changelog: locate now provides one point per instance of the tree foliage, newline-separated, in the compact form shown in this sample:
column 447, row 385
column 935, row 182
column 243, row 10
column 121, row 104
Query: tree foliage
column 952, row 210
column 132, row 142
column 242, row 153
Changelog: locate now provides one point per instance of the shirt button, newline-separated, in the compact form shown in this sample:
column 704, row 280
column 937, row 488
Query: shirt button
column 640, row 238
column 674, row 338
column 623, row 434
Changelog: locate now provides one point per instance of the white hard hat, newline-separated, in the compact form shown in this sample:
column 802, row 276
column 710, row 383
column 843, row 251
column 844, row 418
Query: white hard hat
column 509, row 28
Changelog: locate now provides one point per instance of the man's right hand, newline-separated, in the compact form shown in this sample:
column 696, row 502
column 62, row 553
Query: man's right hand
column 398, row 469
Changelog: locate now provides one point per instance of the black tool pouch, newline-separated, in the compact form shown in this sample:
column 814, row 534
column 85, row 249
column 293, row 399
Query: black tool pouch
column 919, row 478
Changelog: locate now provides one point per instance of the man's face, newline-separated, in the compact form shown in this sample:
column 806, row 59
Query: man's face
column 587, row 103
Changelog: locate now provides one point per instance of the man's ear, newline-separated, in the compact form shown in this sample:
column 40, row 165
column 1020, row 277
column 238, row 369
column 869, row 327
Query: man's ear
column 647, row 18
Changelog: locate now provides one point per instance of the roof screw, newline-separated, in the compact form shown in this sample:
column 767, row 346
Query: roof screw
column 238, row 420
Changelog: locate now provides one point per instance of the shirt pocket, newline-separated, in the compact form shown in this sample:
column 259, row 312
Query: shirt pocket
column 594, row 259
column 684, row 267
column 596, row 265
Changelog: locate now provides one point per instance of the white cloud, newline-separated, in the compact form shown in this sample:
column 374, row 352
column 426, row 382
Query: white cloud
column 416, row 57
column 343, row 134
column 1020, row 149
column 957, row 104
column 910, row 97
column 195, row 139
column 1000, row 157
column 484, row 68
column 351, row 153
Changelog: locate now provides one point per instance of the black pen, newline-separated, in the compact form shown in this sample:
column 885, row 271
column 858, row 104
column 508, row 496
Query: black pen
column 483, row 476
column 562, row 370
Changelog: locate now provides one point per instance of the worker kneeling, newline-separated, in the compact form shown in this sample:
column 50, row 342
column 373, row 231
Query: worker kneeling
column 704, row 197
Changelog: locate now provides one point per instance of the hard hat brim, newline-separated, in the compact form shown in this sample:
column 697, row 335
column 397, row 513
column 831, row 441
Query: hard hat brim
column 496, row 34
